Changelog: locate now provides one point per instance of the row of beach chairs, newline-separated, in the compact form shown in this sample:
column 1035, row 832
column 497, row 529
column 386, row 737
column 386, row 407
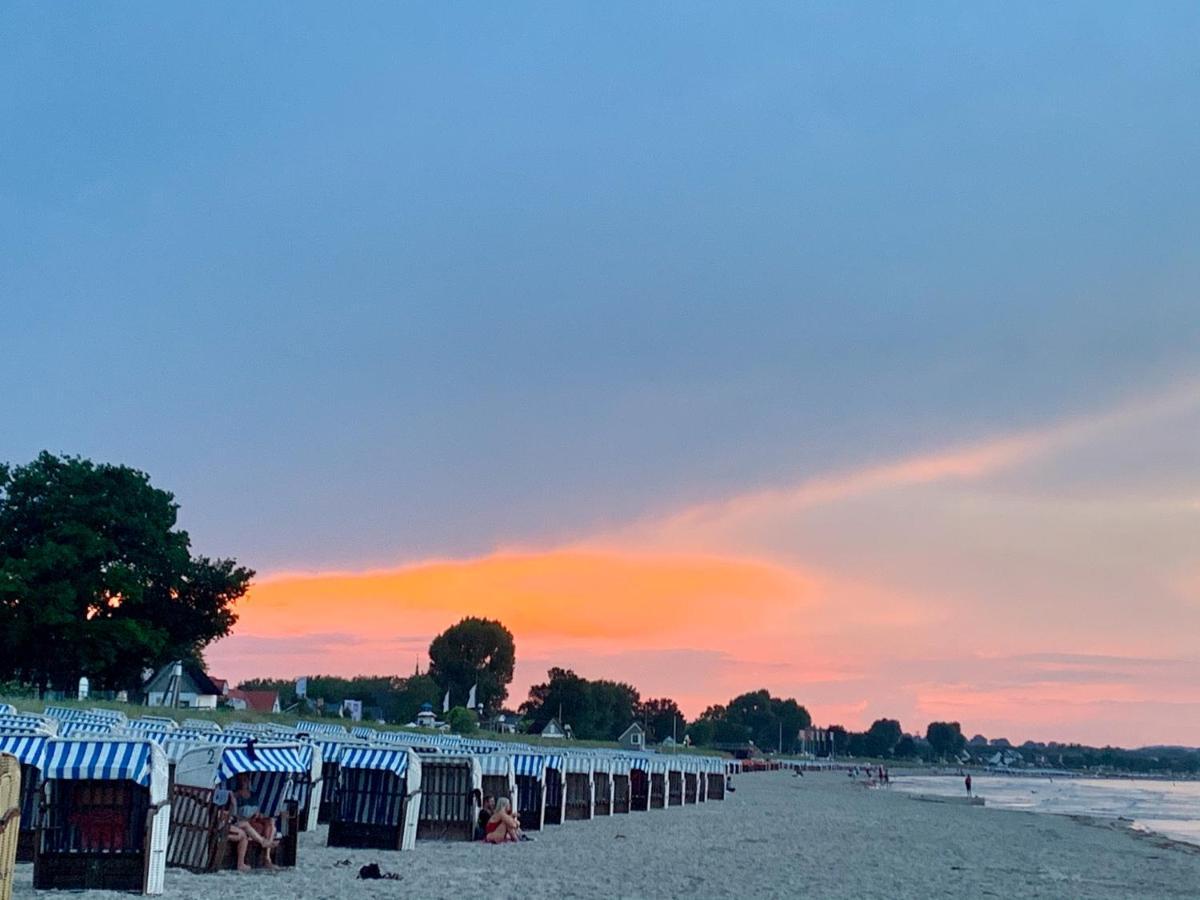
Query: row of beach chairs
column 98, row 801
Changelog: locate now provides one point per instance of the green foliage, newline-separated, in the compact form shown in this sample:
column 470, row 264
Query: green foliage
column 474, row 652
column 595, row 710
column 662, row 720
column 96, row 580
column 906, row 748
column 393, row 698
column 756, row 717
column 946, row 738
column 882, row 737
column 462, row 720
column 702, row 732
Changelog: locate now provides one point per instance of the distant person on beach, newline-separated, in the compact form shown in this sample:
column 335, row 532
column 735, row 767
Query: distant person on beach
column 485, row 815
column 967, row 781
column 502, row 826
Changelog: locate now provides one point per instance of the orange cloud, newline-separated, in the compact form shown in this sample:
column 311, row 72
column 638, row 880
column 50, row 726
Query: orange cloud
column 570, row 594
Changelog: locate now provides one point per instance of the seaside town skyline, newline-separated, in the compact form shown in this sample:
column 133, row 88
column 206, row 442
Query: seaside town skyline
column 798, row 350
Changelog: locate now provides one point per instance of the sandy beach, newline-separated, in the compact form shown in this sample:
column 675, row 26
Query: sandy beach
column 777, row 836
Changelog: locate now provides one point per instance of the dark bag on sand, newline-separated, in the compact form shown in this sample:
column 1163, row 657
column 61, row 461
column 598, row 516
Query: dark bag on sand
column 371, row 870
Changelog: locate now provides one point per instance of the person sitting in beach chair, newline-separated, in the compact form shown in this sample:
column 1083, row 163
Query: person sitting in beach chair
column 502, row 827
column 250, row 820
column 240, row 832
column 486, row 809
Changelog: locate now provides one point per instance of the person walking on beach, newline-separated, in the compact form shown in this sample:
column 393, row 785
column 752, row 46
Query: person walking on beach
column 967, row 781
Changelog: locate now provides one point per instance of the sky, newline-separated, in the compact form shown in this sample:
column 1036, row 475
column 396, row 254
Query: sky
column 847, row 350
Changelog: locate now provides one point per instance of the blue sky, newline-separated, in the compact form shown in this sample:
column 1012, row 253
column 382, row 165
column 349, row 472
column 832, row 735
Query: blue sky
column 374, row 285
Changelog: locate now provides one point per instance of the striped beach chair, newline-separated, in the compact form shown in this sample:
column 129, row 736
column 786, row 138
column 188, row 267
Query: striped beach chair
column 602, row 786
column 200, row 825
column 639, row 783
column 619, row 774
column 104, row 816
column 578, row 791
column 530, row 771
column 451, row 791
column 377, row 799
column 499, row 776
column 28, row 747
column 10, row 820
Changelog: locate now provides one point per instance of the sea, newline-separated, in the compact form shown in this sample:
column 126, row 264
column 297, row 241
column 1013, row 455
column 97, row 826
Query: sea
column 1169, row 808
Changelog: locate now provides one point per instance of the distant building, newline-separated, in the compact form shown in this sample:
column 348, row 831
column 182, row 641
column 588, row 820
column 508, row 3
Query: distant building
column 426, row 718
column 255, row 701
column 504, row 723
column 554, row 729
column 183, row 686
column 633, row 737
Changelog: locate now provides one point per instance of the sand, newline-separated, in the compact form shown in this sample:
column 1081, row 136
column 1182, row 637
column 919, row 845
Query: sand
column 778, row 836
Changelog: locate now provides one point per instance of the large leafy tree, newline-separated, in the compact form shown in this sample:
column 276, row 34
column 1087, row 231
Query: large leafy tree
column 662, row 719
column 474, row 652
column 946, row 738
column 96, row 580
column 595, row 710
column 882, row 737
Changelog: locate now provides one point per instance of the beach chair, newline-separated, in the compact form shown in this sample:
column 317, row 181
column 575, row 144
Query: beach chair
column 578, row 789
column 674, row 767
column 658, row 784
column 376, row 800
column 324, row 789
column 639, row 785
column 499, row 776
column 554, row 803
column 306, row 789
column 28, row 748
column 715, row 780
column 451, row 786
column 103, row 817
column 691, row 789
column 622, row 794
column 602, row 786
column 530, row 769
column 200, row 814
column 10, row 820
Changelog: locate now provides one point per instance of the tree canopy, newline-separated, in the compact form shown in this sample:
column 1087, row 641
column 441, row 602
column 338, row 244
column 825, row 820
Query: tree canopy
column 96, row 580
column 477, row 652
column 595, row 710
column 754, row 717
column 946, row 738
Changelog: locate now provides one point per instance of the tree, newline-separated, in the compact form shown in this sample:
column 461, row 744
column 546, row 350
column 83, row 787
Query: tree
column 477, row 652
column 595, row 710
column 906, row 748
column 462, row 720
column 702, row 732
column 96, row 580
column 662, row 719
column 946, row 738
column 882, row 737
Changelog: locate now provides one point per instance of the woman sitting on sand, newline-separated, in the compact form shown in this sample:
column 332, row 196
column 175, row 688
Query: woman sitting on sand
column 503, row 826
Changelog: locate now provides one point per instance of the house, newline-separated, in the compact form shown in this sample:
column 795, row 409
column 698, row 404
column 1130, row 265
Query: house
column 553, row 729
column 182, row 685
column 256, row 701
column 427, row 718
column 504, row 723
column 633, row 737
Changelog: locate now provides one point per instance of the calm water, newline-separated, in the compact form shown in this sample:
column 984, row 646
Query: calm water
column 1171, row 808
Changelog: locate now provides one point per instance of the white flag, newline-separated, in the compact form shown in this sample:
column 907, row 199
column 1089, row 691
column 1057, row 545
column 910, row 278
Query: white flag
column 471, row 696
column 446, row 701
